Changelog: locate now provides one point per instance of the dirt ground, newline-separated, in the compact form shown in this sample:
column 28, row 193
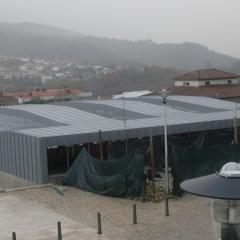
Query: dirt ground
column 40, row 209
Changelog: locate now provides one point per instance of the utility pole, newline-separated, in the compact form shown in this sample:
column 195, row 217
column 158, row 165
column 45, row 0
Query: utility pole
column 164, row 99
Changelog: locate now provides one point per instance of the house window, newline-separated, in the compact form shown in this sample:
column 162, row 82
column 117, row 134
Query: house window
column 229, row 81
column 207, row 83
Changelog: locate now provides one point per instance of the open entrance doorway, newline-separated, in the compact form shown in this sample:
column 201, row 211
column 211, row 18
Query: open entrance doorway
column 61, row 158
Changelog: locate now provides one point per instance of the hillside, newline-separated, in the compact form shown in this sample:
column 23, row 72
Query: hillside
column 38, row 29
column 152, row 78
column 28, row 45
column 185, row 56
column 36, row 40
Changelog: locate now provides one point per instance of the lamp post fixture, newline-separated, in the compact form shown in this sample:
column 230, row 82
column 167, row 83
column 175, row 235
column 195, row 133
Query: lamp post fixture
column 164, row 94
column 224, row 189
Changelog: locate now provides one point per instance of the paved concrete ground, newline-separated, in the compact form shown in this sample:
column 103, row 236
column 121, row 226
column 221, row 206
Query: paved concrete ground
column 10, row 181
column 31, row 220
column 189, row 216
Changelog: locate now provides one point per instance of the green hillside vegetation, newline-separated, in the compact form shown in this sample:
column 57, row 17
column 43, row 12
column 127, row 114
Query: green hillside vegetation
column 132, row 79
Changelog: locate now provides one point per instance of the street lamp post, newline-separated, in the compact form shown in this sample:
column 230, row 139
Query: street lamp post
column 164, row 99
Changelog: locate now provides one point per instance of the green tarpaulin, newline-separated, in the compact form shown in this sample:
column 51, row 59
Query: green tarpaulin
column 190, row 155
column 200, row 154
column 115, row 177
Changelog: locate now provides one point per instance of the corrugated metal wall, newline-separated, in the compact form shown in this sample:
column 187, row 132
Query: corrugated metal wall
column 23, row 156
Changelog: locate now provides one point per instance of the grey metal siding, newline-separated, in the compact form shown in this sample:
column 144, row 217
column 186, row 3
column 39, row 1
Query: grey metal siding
column 1, row 152
column 38, row 161
column 42, row 150
column 21, row 155
column 13, row 154
column 7, row 152
column 29, row 157
column 4, row 151
column 17, row 155
column 34, row 159
column 25, row 160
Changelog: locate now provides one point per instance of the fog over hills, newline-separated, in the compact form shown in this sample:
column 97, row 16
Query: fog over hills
column 36, row 40
column 38, row 29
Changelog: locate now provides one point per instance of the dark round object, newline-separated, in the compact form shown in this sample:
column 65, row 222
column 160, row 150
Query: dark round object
column 213, row 186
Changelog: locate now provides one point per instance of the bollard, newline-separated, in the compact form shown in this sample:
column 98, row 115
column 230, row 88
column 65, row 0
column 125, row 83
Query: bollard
column 134, row 214
column 14, row 236
column 59, row 231
column 166, row 206
column 99, row 224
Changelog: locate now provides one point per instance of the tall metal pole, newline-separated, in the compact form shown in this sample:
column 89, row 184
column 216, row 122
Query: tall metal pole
column 152, row 163
column 67, row 158
column 100, row 144
column 125, row 127
column 166, row 146
column 235, row 123
column 164, row 97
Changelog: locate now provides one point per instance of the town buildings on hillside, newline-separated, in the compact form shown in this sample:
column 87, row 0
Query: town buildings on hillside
column 209, row 83
column 46, row 70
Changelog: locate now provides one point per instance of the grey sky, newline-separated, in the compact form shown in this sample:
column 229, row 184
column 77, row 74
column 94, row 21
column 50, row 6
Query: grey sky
column 214, row 23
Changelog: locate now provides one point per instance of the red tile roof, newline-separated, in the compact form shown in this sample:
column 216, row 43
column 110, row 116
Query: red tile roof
column 44, row 93
column 206, row 74
column 215, row 91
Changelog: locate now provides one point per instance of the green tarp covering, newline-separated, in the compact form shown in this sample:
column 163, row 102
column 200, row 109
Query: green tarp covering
column 200, row 154
column 114, row 177
column 190, row 155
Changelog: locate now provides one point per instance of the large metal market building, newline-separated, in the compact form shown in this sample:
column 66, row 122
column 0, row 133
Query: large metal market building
column 27, row 132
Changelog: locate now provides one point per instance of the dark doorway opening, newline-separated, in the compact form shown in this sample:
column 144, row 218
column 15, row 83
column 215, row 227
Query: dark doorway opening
column 61, row 158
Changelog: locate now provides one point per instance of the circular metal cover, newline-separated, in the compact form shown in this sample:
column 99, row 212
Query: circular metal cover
column 214, row 186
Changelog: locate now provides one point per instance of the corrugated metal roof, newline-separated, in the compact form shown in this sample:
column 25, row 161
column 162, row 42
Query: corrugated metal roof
column 132, row 94
column 184, row 114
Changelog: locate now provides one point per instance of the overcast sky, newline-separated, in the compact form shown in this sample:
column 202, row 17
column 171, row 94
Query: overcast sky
column 214, row 23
